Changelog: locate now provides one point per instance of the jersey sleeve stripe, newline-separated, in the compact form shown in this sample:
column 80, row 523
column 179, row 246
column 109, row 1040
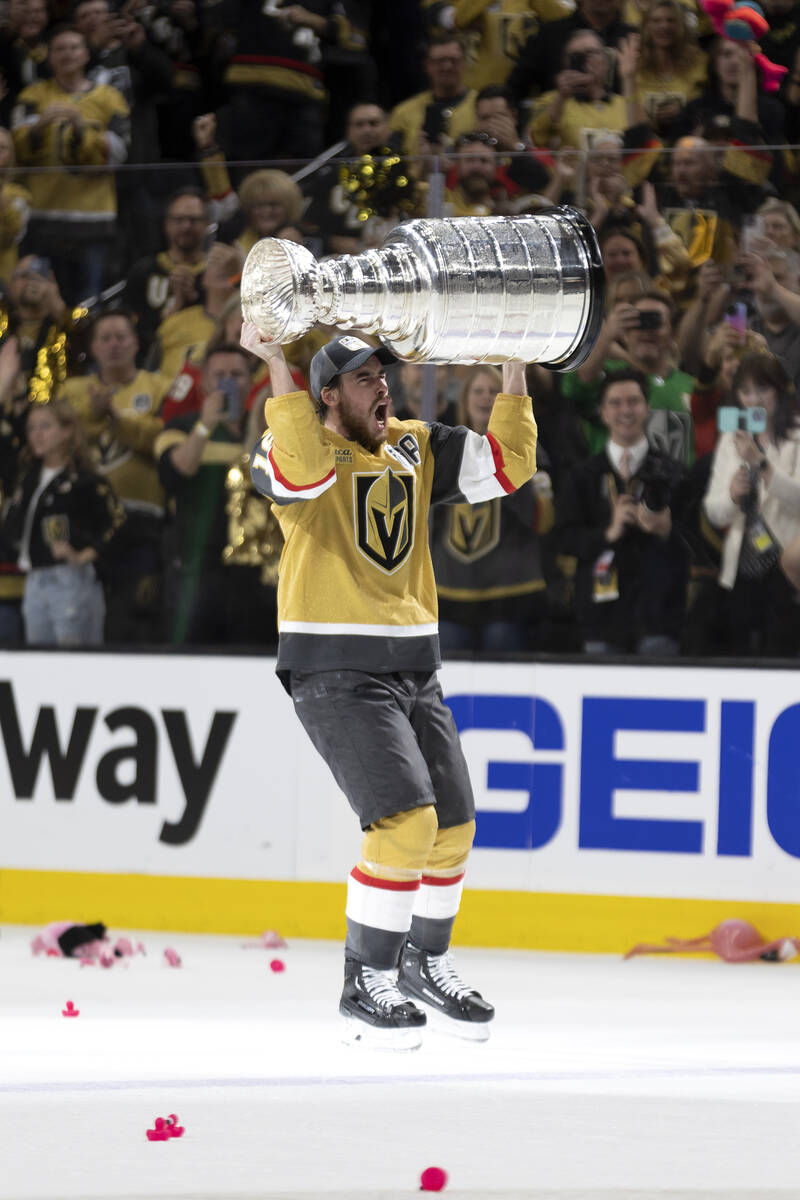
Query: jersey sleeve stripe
column 478, row 477
column 307, row 490
column 499, row 464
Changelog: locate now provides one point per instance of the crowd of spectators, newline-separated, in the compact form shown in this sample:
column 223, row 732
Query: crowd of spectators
column 146, row 146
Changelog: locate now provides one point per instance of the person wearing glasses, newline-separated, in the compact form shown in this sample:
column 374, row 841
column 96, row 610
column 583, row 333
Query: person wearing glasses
column 432, row 120
column 582, row 104
column 170, row 280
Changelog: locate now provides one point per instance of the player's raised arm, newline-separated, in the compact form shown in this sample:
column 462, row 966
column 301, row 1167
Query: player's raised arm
column 271, row 353
column 291, row 462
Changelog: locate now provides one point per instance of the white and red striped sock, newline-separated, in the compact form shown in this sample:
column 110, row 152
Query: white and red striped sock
column 435, row 909
column 378, row 917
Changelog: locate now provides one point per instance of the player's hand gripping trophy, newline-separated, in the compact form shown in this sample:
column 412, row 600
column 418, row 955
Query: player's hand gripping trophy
column 452, row 290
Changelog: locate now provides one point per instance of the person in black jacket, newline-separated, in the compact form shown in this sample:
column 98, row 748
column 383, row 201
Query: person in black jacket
column 615, row 517
column 541, row 58
column 61, row 518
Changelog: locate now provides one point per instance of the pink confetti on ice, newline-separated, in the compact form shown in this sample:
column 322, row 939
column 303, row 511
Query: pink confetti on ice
column 270, row 939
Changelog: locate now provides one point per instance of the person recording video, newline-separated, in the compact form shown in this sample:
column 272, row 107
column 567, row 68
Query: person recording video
column 754, row 497
column 638, row 333
column 194, row 454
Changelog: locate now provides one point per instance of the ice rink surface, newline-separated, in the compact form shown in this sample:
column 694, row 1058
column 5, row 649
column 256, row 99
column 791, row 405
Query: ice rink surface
column 603, row 1079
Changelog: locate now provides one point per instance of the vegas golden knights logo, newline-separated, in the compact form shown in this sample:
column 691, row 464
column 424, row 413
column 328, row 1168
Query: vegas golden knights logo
column 474, row 529
column 384, row 518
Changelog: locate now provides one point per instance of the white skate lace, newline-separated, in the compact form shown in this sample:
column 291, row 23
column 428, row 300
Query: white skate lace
column 446, row 978
column 381, row 986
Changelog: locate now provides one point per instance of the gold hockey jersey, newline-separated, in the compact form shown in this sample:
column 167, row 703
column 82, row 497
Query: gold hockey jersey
column 74, row 201
column 356, row 587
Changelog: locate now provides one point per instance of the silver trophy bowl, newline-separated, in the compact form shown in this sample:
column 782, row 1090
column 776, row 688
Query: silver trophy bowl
column 454, row 290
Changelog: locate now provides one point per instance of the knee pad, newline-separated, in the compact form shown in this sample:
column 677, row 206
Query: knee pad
column 451, row 850
column 398, row 847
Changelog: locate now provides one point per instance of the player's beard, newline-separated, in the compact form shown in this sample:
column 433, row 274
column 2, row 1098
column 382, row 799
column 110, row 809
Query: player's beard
column 359, row 428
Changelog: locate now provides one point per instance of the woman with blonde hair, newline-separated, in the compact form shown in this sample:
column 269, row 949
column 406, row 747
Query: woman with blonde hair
column 271, row 204
column 487, row 557
column 672, row 67
column 61, row 518
column 268, row 204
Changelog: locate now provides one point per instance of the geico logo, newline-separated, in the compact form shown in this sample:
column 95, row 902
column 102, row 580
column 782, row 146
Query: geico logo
column 125, row 773
column 730, row 761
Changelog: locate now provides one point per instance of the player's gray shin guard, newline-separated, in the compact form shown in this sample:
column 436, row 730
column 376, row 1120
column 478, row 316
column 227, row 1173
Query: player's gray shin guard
column 433, row 981
column 375, row 1012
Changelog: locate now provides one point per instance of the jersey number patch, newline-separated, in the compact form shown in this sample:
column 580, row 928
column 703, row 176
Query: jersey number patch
column 384, row 514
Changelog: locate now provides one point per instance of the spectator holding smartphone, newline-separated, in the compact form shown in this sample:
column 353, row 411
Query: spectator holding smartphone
column 428, row 122
column 638, row 334
column 754, row 497
column 542, row 54
column 672, row 68
column 188, row 325
column 194, row 454
column 581, row 102
column 726, row 348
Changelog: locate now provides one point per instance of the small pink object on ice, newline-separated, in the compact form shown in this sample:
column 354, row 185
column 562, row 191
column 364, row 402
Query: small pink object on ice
column 175, row 1130
column 70, row 1010
column 734, row 941
column 272, row 940
column 432, row 1179
column 173, row 959
column 277, row 965
column 164, row 1129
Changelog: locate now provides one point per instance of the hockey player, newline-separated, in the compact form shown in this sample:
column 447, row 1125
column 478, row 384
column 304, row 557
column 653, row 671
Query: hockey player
column 358, row 652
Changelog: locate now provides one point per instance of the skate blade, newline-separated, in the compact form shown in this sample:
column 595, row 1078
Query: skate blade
column 465, row 1031
column 358, row 1033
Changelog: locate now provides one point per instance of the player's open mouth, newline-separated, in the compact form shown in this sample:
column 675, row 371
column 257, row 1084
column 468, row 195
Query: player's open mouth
column 381, row 413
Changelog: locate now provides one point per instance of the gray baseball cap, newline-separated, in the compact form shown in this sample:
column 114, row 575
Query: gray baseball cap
column 341, row 355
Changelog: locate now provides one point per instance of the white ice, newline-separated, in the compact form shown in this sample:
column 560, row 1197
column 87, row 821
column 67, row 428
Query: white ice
column 656, row 1077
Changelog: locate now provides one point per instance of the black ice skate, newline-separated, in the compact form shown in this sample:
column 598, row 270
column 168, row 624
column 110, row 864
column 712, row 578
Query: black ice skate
column 455, row 1008
column 375, row 1012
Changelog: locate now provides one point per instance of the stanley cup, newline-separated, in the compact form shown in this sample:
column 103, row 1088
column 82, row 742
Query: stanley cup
column 452, row 290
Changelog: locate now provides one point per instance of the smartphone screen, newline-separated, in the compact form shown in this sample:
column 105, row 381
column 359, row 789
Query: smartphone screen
column 649, row 319
column 736, row 317
column 233, row 405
